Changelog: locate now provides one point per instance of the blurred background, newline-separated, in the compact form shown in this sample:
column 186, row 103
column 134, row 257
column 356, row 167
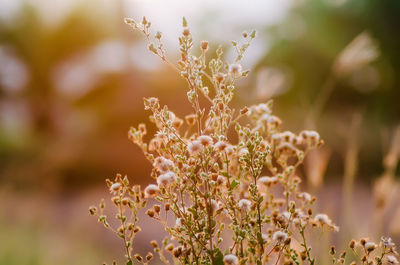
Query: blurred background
column 72, row 79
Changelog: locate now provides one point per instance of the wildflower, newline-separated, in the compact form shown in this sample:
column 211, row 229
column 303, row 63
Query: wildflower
column 220, row 180
column 195, row 147
column 392, row 259
column 287, row 148
column 163, row 164
column 287, row 136
column 322, row 219
column 311, row 136
column 370, row 246
column 166, row 179
column 387, row 242
column 305, row 196
column 244, row 204
column 220, row 146
column 244, row 151
column 150, row 103
column 235, row 68
column 220, row 77
column 279, row 236
column 177, row 252
column 231, row 259
column 268, row 181
column 115, row 187
column 204, row 45
column 205, row 140
column 186, row 32
column 264, row 108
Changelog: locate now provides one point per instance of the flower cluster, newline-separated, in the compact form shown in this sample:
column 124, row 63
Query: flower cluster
column 368, row 252
column 229, row 178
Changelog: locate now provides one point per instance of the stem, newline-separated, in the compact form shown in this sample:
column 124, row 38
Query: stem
column 304, row 244
column 124, row 228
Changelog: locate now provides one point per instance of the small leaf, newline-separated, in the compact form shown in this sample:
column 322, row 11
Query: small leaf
column 234, row 184
column 219, row 258
column 184, row 22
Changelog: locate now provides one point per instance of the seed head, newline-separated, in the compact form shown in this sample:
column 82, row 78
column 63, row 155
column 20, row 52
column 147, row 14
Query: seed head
column 154, row 244
column 163, row 164
column 205, row 140
column 392, row 259
column 115, row 187
column 279, row 236
column 220, row 146
column 268, row 181
column 151, row 190
column 93, row 210
column 149, row 256
column 244, row 205
column 352, row 244
column 235, row 68
column 195, row 147
column 231, row 259
column 186, row 32
column 204, row 45
column 370, row 246
column 166, row 179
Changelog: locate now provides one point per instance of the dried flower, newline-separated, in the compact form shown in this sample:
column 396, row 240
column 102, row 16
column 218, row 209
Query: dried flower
column 166, row 179
column 195, row 147
column 235, row 68
column 205, row 140
column 279, row 236
column 115, row 187
column 370, row 246
column 151, row 190
column 244, row 204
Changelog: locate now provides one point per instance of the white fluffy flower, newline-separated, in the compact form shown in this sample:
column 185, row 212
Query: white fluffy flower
column 205, row 140
column 220, row 180
column 166, row 179
column 220, row 146
column 231, row 259
column 392, row 259
column 322, row 219
column 150, row 191
column 279, row 236
column 305, row 196
column 195, row 147
column 268, row 181
column 115, row 187
column 244, row 204
column 235, row 68
column 163, row 164
column 370, row 246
